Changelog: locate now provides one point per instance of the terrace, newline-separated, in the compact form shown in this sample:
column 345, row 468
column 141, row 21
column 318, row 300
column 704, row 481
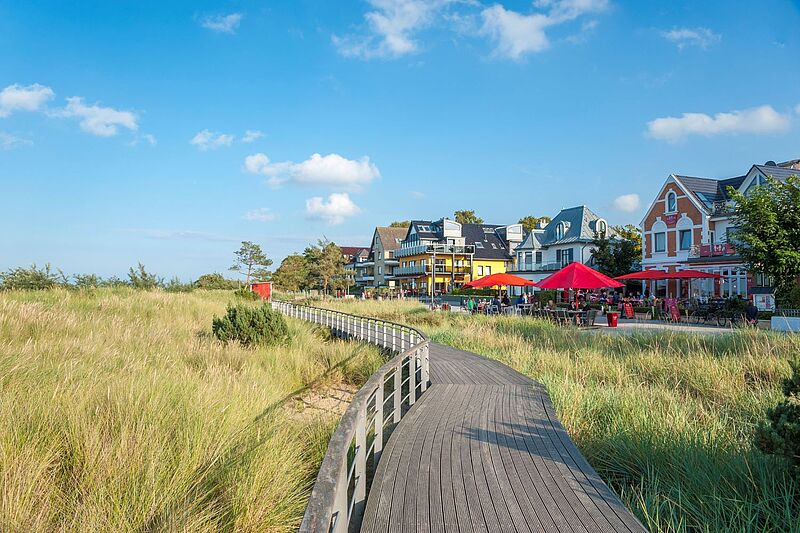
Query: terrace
column 435, row 249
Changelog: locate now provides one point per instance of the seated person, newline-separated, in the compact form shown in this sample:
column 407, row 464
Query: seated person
column 506, row 300
column 751, row 314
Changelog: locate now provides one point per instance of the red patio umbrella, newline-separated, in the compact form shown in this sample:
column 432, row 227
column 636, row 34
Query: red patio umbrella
column 499, row 280
column 644, row 275
column 691, row 274
column 578, row 276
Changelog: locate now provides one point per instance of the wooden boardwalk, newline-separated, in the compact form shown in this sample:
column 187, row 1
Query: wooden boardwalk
column 482, row 450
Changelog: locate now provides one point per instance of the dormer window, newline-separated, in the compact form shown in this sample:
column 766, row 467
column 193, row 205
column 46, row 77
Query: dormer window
column 672, row 202
column 757, row 181
column 601, row 226
column 561, row 230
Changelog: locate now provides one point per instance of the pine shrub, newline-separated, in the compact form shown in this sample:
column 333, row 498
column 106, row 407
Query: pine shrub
column 251, row 325
column 780, row 434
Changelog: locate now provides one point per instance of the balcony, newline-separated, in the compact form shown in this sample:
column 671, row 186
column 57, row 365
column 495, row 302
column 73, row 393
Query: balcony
column 363, row 278
column 711, row 250
column 539, row 267
column 435, row 249
column 420, row 270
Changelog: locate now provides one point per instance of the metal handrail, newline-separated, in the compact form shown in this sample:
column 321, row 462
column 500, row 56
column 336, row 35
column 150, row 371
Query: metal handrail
column 333, row 506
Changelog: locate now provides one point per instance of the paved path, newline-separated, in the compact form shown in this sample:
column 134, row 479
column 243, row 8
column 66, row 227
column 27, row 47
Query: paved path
column 482, row 450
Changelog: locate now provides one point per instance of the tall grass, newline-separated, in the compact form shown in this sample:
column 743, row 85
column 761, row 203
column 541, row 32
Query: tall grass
column 666, row 418
column 120, row 412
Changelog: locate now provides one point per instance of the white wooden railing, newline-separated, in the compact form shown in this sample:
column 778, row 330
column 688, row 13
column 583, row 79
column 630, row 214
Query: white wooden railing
column 340, row 492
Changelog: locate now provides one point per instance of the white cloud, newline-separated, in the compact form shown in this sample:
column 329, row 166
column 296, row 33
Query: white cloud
column 392, row 24
column 10, row 142
column 338, row 207
column 516, row 34
column 23, row 98
column 331, row 169
column 760, row 120
column 100, row 121
column 418, row 195
column 627, row 203
column 683, row 37
column 222, row 23
column 150, row 139
column 209, row 140
column 797, row 109
column 262, row 214
column 252, row 135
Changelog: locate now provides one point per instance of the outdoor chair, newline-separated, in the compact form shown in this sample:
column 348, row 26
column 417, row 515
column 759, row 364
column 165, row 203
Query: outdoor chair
column 591, row 316
column 562, row 317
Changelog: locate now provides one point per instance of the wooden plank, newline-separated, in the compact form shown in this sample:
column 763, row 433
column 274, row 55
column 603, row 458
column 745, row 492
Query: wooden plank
column 482, row 450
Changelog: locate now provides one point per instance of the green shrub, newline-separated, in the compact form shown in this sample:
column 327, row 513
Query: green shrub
column 215, row 281
column 140, row 278
column 246, row 294
column 176, row 285
column 780, row 434
column 251, row 325
column 32, row 278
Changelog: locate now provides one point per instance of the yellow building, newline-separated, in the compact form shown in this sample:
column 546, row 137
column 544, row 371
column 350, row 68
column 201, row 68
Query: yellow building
column 437, row 257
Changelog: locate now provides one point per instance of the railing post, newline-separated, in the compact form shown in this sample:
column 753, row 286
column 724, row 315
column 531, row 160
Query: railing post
column 402, row 340
column 412, row 377
column 426, row 369
column 398, row 392
column 383, row 325
column 394, row 338
column 360, row 473
column 340, row 506
column 378, row 442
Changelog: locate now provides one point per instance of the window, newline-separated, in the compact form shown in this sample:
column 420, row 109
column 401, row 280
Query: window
column 660, row 242
column 488, row 271
column 538, row 258
column 424, row 229
column 560, row 230
column 758, row 180
column 685, row 239
column 380, row 271
column 564, row 257
column 672, row 202
column 478, row 244
column 601, row 226
column 480, row 270
column 711, row 237
column 380, row 256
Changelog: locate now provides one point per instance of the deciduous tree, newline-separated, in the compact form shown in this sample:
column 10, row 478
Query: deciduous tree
column 530, row 222
column 292, row 274
column 400, row 224
column 325, row 263
column 467, row 217
column 767, row 230
column 617, row 255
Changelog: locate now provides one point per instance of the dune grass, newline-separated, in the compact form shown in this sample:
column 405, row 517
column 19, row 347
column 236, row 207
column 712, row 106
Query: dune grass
column 120, row 412
column 667, row 419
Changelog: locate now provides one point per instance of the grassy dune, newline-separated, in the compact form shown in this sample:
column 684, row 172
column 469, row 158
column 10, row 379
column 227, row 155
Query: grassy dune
column 666, row 418
column 119, row 412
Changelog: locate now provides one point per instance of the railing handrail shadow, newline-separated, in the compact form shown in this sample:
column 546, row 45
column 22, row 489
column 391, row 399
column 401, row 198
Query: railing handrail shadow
column 340, row 491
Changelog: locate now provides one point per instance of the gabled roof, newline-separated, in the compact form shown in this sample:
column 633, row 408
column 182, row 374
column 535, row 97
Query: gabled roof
column 353, row 251
column 391, row 237
column 779, row 173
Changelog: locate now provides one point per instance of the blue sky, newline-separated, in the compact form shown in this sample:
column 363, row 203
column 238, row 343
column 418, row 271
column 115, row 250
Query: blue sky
column 167, row 132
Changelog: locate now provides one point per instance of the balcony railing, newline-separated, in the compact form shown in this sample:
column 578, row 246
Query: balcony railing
column 539, row 267
column 711, row 250
column 426, row 269
column 435, row 249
